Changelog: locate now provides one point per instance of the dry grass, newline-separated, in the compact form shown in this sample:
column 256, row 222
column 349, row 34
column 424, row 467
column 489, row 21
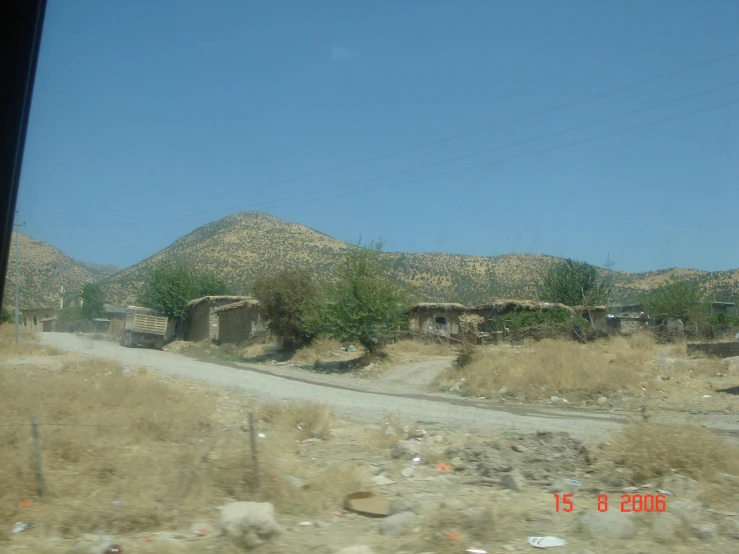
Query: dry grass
column 653, row 450
column 169, row 450
column 558, row 367
column 25, row 346
column 320, row 350
column 406, row 348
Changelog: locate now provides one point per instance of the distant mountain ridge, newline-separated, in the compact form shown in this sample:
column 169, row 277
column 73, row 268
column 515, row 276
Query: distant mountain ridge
column 101, row 270
column 241, row 246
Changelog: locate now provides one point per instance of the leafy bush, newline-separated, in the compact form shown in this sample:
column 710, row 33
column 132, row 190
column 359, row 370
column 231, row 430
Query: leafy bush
column 171, row 285
column 675, row 299
column 6, row 316
column 284, row 297
column 574, row 283
column 365, row 305
column 93, row 301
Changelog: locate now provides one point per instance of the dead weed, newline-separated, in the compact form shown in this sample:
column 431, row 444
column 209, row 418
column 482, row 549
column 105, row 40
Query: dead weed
column 557, row 367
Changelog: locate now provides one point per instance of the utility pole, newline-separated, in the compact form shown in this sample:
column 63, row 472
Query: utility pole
column 17, row 282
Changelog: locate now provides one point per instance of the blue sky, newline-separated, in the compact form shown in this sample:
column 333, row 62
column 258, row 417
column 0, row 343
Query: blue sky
column 172, row 114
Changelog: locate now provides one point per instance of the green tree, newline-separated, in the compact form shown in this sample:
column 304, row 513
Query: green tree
column 284, row 297
column 93, row 301
column 6, row 316
column 574, row 283
column 675, row 299
column 366, row 304
column 171, row 285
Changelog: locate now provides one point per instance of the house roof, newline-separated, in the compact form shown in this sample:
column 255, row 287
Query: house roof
column 224, row 298
column 54, row 309
column 450, row 306
column 47, row 319
column 248, row 301
column 503, row 306
column 110, row 309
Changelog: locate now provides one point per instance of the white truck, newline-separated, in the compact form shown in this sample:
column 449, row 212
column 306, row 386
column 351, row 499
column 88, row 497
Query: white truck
column 143, row 326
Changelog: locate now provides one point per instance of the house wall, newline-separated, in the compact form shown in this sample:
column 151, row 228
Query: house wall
column 202, row 323
column 31, row 319
column 425, row 321
column 239, row 324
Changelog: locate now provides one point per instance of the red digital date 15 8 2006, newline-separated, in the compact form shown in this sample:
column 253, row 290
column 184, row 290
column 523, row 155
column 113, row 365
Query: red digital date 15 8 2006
column 629, row 502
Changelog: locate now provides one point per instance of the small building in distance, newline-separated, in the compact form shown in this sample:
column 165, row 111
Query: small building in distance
column 202, row 323
column 239, row 321
column 437, row 318
column 39, row 320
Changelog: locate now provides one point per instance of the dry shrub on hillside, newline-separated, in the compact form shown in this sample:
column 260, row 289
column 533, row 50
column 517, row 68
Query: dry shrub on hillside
column 165, row 449
column 561, row 367
column 647, row 451
column 418, row 348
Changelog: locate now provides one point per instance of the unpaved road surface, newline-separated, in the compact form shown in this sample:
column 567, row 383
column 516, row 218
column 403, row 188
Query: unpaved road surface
column 354, row 399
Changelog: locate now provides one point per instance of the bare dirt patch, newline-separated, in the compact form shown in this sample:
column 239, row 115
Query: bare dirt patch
column 144, row 457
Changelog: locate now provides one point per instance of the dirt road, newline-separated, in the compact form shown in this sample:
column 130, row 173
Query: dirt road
column 350, row 400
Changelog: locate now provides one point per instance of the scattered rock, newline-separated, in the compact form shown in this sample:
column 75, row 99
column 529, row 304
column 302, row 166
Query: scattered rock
column 398, row 524
column 381, row 480
column 617, row 479
column 509, row 548
column 734, row 531
column 666, row 526
column 513, row 480
column 562, row 485
column 458, row 464
column 477, row 517
column 681, row 486
column 399, row 506
column 704, row 531
column 249, row 524
column 357, row 549
column 454, row 504
column 612, row 525
column 406, row 449
column 602, row 400
column 519, row 448
column 407, row 472
column 687, row 510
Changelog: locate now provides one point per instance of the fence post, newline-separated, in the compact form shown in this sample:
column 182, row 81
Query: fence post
column 254, row 460
column 37, row 453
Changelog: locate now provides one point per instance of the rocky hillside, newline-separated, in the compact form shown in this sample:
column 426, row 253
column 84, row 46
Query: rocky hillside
column 241, row 246
column 98, row 270
column 43, row 270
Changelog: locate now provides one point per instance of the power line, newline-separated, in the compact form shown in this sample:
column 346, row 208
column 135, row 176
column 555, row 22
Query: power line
column 448, row 138
column 503, row 147
column 192, row 217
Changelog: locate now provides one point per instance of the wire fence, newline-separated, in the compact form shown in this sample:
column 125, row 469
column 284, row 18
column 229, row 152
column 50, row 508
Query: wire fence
column 226, row 448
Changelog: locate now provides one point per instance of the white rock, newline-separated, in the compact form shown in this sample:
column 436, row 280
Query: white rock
column 249, row 524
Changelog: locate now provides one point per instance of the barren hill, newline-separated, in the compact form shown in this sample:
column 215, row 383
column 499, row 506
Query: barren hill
column 241, row 246
column 43, row 270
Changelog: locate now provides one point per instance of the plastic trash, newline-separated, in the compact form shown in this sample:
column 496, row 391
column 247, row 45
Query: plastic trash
column 19, row 527
column 546, row 542
column 306, row 524
column 453, row 536
column 351, row 348
column 475, row 551
column 706, row 396
column 666, row 493
column 576, row 483
column 416, row 461
column 474, row 465
column 262, row 436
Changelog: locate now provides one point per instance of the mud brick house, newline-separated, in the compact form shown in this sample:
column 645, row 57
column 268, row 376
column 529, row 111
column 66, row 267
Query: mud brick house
column 202, row 322
column 438, row 318
column 239, row 321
